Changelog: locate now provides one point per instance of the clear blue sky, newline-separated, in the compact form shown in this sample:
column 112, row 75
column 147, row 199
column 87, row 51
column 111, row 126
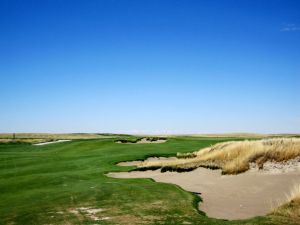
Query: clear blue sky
column 150, row 66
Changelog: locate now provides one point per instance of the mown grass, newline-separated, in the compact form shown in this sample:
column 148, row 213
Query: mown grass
column 45, row 184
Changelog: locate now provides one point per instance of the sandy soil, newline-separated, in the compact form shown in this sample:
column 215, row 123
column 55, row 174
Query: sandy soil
column 253, row 193
column 52, row 142
column 137, row 163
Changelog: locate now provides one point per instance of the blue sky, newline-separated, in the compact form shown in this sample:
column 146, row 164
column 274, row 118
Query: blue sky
column 150, row 66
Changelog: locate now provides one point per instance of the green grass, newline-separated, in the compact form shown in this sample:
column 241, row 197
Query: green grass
column 42, row 184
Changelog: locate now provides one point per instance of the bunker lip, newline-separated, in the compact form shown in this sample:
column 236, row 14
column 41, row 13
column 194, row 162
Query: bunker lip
column 51, row 142
column 144, row 141
column 253, row 193
column 139, row 162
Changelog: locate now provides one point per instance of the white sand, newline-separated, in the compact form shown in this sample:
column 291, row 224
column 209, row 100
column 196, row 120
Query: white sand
column 52, row 142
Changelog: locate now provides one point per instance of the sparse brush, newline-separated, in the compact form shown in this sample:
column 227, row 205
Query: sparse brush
column 234, row 157
column 294, row 193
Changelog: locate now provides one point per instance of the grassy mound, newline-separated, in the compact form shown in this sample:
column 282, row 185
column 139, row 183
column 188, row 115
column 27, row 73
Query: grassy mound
column 235, row 156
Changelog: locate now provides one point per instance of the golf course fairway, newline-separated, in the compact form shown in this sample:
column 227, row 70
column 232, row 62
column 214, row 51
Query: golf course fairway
column 65, row 183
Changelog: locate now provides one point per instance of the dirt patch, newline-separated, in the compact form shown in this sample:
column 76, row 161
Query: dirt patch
column 253, row 193
column 91, row 213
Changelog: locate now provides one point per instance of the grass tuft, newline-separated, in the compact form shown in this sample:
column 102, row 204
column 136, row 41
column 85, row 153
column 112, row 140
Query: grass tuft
column 292, row 208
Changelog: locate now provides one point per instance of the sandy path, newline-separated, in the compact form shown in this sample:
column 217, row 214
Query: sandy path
column 52, row 142
column 242, row 196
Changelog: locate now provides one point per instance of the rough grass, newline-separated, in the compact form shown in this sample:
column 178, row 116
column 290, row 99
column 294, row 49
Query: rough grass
column 73, row 136
column 34, row 138
column 234, row 156
column 27, row 140
column 290, row 210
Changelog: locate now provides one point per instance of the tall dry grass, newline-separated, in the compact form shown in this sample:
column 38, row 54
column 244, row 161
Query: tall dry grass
column 291, row 209
column 233, row 157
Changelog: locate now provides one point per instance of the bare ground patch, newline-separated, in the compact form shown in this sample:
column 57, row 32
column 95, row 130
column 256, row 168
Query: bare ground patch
column 90, row 213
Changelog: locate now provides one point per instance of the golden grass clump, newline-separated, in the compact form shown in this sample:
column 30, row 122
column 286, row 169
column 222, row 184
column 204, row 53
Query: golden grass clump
column 291, row 209
column 233, row 157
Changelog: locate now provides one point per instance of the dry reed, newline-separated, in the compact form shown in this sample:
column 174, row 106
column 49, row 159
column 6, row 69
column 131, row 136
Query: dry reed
column 233, row 157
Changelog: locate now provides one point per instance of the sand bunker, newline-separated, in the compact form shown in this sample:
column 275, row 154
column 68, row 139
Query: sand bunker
column 250, row 194
column 143, row 141
column 137, row 163
column 52, row 142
